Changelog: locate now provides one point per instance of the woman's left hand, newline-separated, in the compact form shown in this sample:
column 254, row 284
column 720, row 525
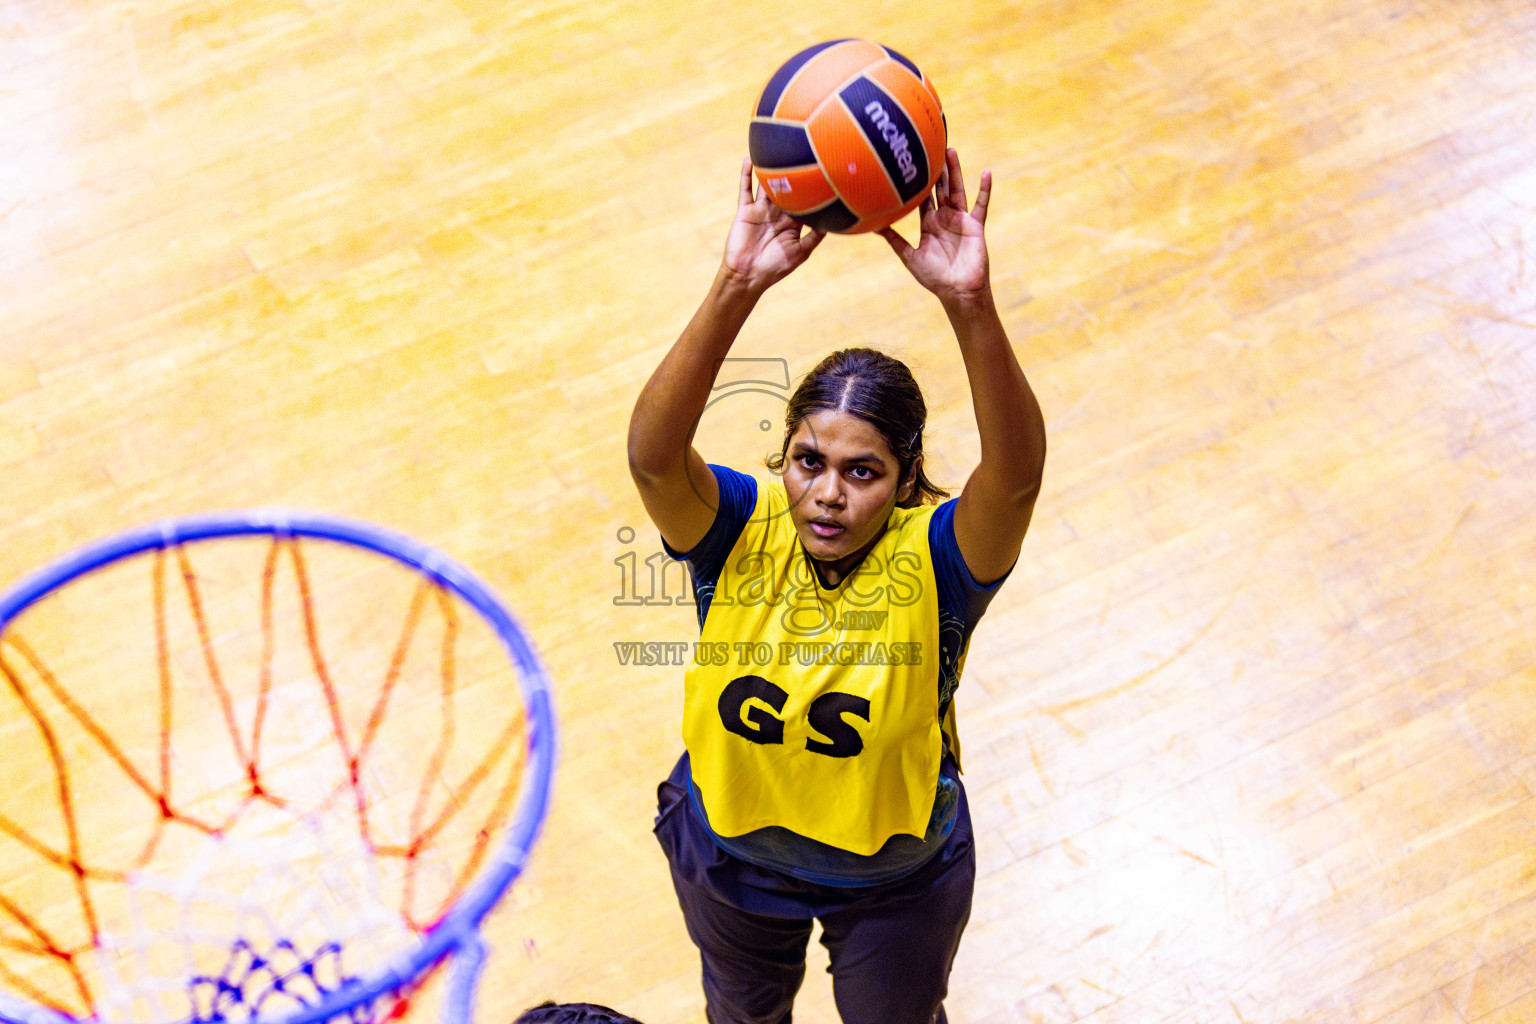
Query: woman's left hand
column 950, row 258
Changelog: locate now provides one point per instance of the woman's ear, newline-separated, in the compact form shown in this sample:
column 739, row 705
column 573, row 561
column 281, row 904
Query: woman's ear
column 908, row 481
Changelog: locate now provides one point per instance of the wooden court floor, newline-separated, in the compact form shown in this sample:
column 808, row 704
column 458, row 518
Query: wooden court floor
column 1250, row 732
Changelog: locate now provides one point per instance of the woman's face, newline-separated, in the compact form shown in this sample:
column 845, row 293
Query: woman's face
column 843, row 481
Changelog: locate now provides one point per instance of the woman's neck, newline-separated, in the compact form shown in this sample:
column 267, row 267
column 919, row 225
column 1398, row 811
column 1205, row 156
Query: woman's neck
column 830, row 575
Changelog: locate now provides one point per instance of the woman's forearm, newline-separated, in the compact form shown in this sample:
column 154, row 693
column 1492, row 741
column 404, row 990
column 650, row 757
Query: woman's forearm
column 667, row 412
column 1008, row 416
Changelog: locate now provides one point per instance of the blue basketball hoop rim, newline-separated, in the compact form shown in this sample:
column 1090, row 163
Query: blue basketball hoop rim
column 457, row 934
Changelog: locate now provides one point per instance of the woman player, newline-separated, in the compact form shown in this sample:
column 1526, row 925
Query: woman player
column 820, row 779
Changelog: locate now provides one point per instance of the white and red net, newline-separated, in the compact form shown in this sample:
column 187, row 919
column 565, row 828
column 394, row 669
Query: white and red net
column 237, row 775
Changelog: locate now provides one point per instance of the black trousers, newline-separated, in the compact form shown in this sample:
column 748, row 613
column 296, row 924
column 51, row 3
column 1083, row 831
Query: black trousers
column 891, row 946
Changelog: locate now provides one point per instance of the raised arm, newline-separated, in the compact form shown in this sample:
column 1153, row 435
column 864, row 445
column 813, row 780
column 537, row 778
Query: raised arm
column 950, row 260
column 677, row 488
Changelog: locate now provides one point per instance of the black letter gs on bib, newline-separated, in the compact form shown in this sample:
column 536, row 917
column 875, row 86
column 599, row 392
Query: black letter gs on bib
column 752, row 723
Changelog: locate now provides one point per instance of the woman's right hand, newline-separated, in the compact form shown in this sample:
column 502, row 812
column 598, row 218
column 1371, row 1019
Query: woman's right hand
column 764, row 243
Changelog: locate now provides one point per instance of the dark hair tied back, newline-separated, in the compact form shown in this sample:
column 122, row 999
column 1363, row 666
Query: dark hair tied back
column 551, row 1012
column 878, row 389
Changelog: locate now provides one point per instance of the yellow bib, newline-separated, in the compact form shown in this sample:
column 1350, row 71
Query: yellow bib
column 818, row 710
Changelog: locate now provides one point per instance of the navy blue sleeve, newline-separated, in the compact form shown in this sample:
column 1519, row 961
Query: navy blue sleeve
column 738, row 496
column 961, row 598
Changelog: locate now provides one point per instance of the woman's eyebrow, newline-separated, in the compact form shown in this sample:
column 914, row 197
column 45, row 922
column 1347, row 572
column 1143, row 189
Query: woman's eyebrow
column 866, row 457
column 862, row 458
